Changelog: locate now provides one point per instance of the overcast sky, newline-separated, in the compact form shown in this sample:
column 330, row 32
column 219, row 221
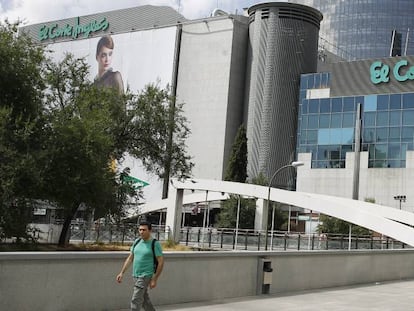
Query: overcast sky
column 37, row 11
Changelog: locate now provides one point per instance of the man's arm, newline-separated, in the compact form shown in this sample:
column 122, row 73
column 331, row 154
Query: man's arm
column 160, row 266
column 125, row 266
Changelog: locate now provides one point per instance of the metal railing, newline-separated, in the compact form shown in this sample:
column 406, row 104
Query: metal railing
column 232, row 239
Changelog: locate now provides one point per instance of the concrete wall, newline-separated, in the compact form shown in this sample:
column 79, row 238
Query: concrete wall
column 210, row 83
column 86, row 280
column 381, row 184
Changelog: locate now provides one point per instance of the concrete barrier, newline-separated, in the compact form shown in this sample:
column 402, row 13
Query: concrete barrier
column 54, row 281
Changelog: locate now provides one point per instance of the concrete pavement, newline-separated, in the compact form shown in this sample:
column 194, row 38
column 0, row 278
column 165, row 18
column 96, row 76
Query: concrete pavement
column 390, row 296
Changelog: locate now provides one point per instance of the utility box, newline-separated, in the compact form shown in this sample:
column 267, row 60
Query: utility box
column 264, row 276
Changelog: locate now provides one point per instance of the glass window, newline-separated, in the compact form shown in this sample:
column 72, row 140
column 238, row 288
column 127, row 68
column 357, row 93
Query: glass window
column 305, row 106
column 336, row 136
column 310, row 82
column 359, row 100
column 348, row 120
column 313, row 121
column 317, row 81
column 349, row 104
column 381, row 151
column 304, row 122
column 303, row 82
column 368, row 135
column 394, row 163
column 324, row 137
column 408, row 100
column 395, row 133
column 336, row 120
column 312, row 137
column 408, row 117
column 314, row 106
column 323, row 152
column 379, row 164
column 403, row 150
column 337, row 104
column 302, row 138
column 407, row 134
column 382, row 134
column 324, row 80
column 382, row 102
column 311, row 150
column 347, row 136
column 370, row 103
column 344, row 150
column 382, row 118
column 325, row 105
column 395, row 118
column 324, row 120
column 395, row 101
column 369, row 119
column 302, row 94
column 394, row 151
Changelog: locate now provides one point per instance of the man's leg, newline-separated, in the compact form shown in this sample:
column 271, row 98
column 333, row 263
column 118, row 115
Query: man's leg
column 147, row 304
column 140, row 294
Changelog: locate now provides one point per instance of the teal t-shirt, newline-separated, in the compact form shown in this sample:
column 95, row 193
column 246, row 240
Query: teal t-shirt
column 143, row 264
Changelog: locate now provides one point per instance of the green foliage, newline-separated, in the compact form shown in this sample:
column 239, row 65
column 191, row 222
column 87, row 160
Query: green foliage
column 228, row 214
column 338, row 226
column 21, row 122
column 59, row 134
column 237, row 165
column 158, row 132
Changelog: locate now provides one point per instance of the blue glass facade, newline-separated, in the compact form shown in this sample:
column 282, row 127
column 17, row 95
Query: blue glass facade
column 362, row 29
column 326, row 126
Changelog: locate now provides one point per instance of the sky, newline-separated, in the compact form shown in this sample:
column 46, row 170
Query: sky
column 38, row 11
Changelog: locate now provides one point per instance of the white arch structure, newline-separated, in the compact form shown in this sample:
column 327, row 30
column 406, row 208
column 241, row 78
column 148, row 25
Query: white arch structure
column 389, row 221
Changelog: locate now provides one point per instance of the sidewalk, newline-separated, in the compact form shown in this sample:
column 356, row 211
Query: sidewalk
column 391, row 296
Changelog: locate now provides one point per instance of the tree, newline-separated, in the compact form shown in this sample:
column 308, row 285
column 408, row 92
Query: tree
column 228, row 214
column 83, row 137
column 159, row 130
column 21, row 121
column 236, row 167
column 329, row 224
column 60, row 133
column 237, row 171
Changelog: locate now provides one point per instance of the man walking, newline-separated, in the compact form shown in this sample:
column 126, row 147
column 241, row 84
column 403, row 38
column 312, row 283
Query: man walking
column 143, row 254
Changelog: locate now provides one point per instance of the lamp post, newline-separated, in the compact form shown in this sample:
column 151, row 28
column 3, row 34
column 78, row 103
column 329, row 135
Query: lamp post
column 401, row 198
column 293, row 164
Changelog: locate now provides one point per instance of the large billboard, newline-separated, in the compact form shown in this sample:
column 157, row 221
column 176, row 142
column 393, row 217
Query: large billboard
column 131, row 59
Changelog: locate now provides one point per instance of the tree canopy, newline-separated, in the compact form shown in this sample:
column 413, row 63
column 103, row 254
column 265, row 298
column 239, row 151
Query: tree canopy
column 60, row 135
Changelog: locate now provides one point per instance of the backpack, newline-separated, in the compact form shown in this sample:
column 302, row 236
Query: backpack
column 153, row 251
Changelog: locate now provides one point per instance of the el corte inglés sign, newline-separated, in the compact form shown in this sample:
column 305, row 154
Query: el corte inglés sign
column 401, row 71
column 72, row 31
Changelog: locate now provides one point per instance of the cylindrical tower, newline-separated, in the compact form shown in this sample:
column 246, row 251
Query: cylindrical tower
column 283, row 43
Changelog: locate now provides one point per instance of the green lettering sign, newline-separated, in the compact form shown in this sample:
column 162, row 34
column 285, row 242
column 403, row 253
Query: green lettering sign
column 74, row 31
column 380, row 72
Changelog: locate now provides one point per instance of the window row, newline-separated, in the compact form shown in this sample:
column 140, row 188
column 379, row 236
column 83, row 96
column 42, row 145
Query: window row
column 389, row 118
column 315, row 80
column 335, row 120
column 329, row 105
column 388, row 134
column 389, row 102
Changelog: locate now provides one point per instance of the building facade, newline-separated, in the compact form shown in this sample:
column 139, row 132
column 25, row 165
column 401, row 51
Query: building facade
column 362, row 29
column 283, row 43
column 371, row 151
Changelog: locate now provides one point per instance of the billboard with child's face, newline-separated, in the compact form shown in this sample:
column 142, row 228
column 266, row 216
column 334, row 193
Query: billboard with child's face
column 133, row 60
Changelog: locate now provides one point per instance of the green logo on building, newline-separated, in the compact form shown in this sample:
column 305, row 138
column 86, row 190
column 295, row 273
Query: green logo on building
column 73, row 31
column 380, row 73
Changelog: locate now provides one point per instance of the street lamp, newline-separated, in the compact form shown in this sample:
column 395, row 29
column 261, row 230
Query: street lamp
column 293, row 164
column 400, row 198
